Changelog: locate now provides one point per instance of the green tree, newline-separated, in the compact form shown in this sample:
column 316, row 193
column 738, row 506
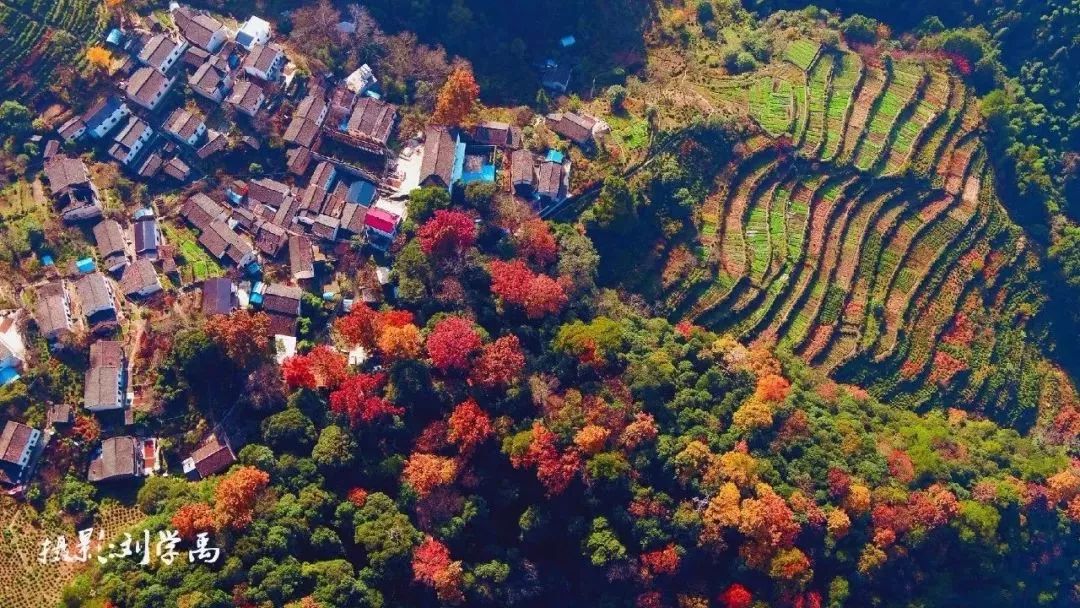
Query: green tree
column 603, row 546
column 289, row 430
column 335, row 448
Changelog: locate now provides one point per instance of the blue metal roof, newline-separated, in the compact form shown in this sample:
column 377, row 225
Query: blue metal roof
column 362, row 192
column 459, row 161
column 8, row 375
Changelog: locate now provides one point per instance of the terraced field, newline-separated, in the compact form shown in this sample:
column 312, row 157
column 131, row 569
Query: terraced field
column 868, row 244
column 46, row 34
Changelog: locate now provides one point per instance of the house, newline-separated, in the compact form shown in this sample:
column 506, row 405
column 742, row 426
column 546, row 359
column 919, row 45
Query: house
column 578, row 128
column 325, row 227
column 498, row 134
column 106, row 378
column 200, row 210
column 117, row 459
column 381, row 227
column 140, row 279
column 185, row 126
column 555, row 77
column 282, row 304
column 161, row 52
column 553, row 182
column 443, row 160
column 130, row 140
column 53, row 311
column 110, row 245
column 105, row 114
column 194, row 57
column 59, row 414
column 270, row 238
column 147, row 237
column 247, row 97
column 213, row 80
column 342, row 101
column 18, row 447
column 298, row 160
column 213, row 456
column 200, row 29
column 95, row 295
column 70, row 184
column 147, row 87
column 302, row 132
column 177, row 169
column 218, row 296
column 265, row 62
column 323, row 177
column 255, row 31
column 361, row 80
column 225, row 244
column 369, row 125
column 523, row 173
column 215, row 142
column 268, row 192
column 301, row 258
column 72, row 129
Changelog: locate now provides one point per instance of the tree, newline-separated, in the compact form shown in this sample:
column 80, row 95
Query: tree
column 425, row 472
column 468, row 426
column 424, row 202
column 236, row 495
column 591, row 438
column 860, row 29
column 15, row 120
column 535, row 243
column 432, row 566
column 358, row 400
column 385, row 533
column 242, row 335
column 297, row 372
column 99, row 57
column 736, row 596
column 538, row 294
column 500, row 363
column 602, row 545
column 458, row 96
column 397, row 343
column 335, row 449
column 360, row 327
column 452, row 344
column 192, row 518
column 772, row 388
column 447, row 233
column 616, row 207
column 289, row 430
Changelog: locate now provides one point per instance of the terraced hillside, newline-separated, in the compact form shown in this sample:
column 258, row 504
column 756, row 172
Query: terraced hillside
column 863, row 232
column 44, row 34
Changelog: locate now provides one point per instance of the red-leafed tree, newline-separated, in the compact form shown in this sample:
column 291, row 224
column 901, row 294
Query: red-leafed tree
column 452, row 343
column 360, row 327
column 660, row 561
column 447, row 233
column 468, row 426
column 236, row 495
column 535, row 242
column 358, row 399
column 736, row 596
column 499, row 364
column 555, row 469
column 357, row 496
column 537, row 294
column 772, row 388
column 297, row 372
column 433, row 567
column 192, row 518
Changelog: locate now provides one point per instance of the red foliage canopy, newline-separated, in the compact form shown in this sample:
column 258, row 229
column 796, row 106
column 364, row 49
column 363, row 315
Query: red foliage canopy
column 736, row 596
column 429, row 559
column 192, row 518
column 469, row 425
column 358, row 400
column 555, row 470
column 235, row 497
column 535, row 242
column 452, row 344
column 499, row 364
column 537, row 294
column 447, row 233
column 323, row 367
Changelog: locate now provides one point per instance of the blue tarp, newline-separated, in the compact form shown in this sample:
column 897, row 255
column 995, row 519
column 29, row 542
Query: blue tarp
column 459, row 161
column 566, row 41
column 47, row 260
column 8, row 375
column 362, row 192
column 254, row 268
column 256, row 298
column 85, row 265
column 328, row 295
column 554, row 156
column 115, row 37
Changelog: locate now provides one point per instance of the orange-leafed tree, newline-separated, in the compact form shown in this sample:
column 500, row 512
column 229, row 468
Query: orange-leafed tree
column 452, row 343
column 469, row 426
column 535, row 242
column 192, row 518
column 772, row 388
column 360, row 327
column 425, row 472
column 660, row 561
column 457, row 98
column 236, row 495
column 400, row 342
column 500, row 363
column 591, row 438
column 358, row 400
column 99, row 57
column 538, row 294
column 243, row 336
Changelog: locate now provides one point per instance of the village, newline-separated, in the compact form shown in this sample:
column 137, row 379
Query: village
column 189, row 96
